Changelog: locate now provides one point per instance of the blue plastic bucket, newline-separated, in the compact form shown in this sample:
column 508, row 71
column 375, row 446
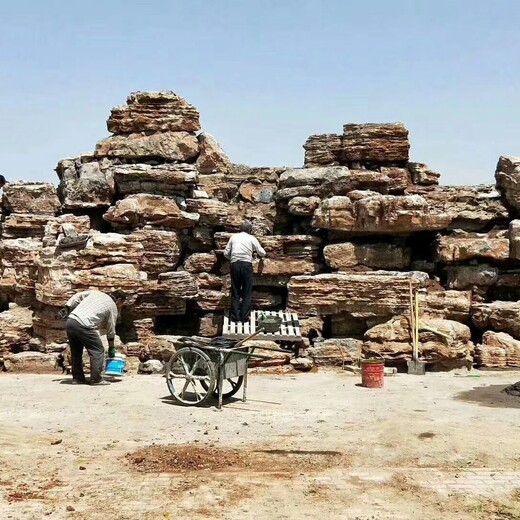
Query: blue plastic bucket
column 115, row 366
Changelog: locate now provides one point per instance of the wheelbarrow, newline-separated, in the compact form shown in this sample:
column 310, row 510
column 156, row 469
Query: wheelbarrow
column 210, row 368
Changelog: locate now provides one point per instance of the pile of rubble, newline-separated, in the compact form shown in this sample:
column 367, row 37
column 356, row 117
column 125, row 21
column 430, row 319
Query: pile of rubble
column 345, row 236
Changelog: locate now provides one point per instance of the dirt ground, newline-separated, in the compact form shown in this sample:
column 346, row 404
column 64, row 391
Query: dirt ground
column 303, row 446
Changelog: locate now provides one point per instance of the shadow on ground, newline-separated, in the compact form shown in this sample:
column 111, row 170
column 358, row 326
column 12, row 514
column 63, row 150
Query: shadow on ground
column 492, row 396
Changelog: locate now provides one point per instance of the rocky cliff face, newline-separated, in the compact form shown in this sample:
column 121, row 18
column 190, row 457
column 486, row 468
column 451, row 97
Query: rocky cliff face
column 345, row 235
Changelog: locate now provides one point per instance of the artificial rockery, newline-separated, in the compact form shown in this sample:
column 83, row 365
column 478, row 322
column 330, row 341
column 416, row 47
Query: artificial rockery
column 345, row 234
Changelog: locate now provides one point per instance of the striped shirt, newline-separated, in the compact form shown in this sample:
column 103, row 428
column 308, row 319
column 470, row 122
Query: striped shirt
column 92, row 309
column 241, row 247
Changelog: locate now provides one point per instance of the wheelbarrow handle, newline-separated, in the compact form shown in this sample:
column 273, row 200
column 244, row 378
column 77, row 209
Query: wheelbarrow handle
column 249, row 337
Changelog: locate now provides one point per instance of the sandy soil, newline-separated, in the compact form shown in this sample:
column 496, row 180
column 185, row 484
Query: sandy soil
column 303, row 446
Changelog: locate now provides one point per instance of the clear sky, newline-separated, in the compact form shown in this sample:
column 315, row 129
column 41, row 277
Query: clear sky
column 265, row 74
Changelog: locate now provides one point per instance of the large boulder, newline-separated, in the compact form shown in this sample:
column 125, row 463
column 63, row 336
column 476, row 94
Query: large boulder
column 141, row 209
column 101, row 249
column 450, row 305
column 507, row 175
column 172, row 146
column 47, row 326
column 451, row 348
column 15, row 329
column 303, row 206
column 212, row 212
column 200, row 262
column 373, row 296
column 257, row 191
column 322, row 150
column 498, row 316
column 30, row 362
column 151, row 112
column 378, row 255
column 335, row 351
column 422, row 175
column 212, row 295
column 18, row 268
column 253, row 184
column 24, row 225
column 471, row 208
column 498, row 350
column 376, row 293
column 461, row 246
column 399, row 178
column 30, row 197
column 164, row 296
column 362, row 212
column 57, row 283
column 212, row 158
column 153, row 250
column 159, row 179
column 229, row 216
column 375, row 142
column 327, row 181
column 85, row 182
column 161, row 251
column 160, row 347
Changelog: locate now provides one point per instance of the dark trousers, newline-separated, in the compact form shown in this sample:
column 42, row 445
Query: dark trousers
column 241, row 289
column 79, row 337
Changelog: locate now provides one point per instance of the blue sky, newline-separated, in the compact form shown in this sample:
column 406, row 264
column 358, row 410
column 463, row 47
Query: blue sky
column 265, row 75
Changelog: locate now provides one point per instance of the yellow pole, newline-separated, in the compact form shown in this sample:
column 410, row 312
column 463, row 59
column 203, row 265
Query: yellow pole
column 412, row 320
column 416, row 353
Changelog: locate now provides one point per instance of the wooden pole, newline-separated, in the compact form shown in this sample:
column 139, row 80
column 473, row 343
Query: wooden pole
column 412, row 320
column 416, row 323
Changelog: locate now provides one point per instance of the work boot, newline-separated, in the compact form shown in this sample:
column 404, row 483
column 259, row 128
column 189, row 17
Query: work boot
column 100, row 383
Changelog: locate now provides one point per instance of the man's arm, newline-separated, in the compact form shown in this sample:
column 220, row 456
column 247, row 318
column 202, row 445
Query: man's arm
column 111, row 325
column 76, row 299
column 227, row 251
column 111, row 332
column 260, row 251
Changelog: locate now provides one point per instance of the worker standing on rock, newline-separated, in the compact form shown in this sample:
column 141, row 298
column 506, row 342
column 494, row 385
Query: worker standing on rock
column 86, row 312
column 239, row 251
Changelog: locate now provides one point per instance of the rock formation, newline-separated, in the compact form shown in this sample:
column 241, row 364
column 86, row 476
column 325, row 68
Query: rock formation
column 345, row 237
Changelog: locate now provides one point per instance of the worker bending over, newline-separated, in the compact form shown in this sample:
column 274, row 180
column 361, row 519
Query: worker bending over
column 239, row 251
column 86, row 312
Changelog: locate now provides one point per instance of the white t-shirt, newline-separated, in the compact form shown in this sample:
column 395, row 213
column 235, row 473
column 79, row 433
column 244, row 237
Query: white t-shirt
column 241, row 247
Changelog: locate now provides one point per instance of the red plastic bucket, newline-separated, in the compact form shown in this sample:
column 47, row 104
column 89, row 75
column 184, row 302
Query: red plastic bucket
column 372, row 373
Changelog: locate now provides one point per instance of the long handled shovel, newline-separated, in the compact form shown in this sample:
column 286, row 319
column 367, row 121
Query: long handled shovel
column 415, row 366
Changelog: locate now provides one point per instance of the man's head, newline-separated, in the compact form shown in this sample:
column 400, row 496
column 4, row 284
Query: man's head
column 246, row 226
column 119, row 297
column 2, row 181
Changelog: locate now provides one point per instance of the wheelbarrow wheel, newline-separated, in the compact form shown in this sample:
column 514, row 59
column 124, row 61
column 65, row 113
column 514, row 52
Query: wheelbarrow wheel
column 231, row 387
column 190, row 376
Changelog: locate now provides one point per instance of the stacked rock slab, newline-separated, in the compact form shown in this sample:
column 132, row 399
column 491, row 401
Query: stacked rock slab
column 346, row 236
column 27, row 207
column 381, row 211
